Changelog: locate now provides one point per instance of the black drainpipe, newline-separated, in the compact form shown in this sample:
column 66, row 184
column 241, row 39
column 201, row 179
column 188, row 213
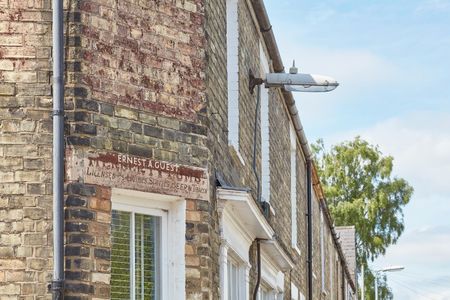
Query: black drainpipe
column 255, row 127
column 258, row 190
column 309, row 221
column 258, row 278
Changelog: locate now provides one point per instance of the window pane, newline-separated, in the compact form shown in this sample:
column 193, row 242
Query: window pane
column 230, row 284
column 120, row 255
column 265, row 293
column 135, row 238
column 146, row 256
column 233, row 281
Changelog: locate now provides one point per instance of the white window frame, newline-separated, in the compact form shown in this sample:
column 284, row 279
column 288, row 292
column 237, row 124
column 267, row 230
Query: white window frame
column 330, row 245
column 322, row 251
column 172, row 209
column 272, row 273
column 133, row 210
column 243, row 271
column 347, row 294
column 269, row 290
column 241, row 222
column 232, row 26
column 293, row 155
column 294, row 292
column 336, row 275
column 265, row 137
column 227, row 253
column 302, row 297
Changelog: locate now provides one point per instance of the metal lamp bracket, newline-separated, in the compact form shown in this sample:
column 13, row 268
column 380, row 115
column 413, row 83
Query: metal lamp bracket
column 253, row 81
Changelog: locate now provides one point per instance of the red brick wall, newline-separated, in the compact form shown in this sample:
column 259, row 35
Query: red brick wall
column 147, row 55
column 135, row 85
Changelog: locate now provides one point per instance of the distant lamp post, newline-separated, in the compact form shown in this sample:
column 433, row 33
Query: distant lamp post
column 384, row 270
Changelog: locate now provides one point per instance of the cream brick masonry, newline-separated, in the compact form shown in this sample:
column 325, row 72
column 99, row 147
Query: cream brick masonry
column 146, row 80
column 25, row 149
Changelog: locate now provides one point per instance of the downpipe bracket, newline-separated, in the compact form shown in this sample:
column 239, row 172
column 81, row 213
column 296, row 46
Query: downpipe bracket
column 253, row 81
column 58, row 112
column 57, row 289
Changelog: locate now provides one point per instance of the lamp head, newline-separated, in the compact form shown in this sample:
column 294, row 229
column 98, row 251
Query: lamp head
column 294, row 82
column 391, row 269
column 311, row 89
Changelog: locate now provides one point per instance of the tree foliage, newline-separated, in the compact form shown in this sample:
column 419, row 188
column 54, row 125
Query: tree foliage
column 361, row 191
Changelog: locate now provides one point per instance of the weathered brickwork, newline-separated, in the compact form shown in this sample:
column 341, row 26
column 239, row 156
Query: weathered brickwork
column 88, row 243
column 147, row 79
column 144, row 54
column 238, row 174
column 199, row 253
column 25, row 149
column 216, row 92
column 124, row 45
column 138, row 88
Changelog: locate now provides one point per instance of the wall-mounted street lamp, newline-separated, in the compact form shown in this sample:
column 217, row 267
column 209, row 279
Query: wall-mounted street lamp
column 295, row 82
column 291, row 82
column 384, row 270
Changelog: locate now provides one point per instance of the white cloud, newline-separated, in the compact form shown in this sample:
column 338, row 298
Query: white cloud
column 420, row 292
column 433, row 6
column 426, row 246
column 420, row 145
column 438, row 295
column 352, row 67
column 424, row 253
column 357, row 72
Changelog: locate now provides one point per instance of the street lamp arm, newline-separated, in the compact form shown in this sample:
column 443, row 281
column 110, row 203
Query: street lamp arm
column 383, row 270
column 390, row 269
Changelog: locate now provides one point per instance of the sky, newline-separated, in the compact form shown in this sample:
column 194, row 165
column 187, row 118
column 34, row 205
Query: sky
column 392, row 60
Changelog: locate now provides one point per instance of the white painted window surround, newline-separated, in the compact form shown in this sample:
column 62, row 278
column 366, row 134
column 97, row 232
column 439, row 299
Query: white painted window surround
column 346, row 296
column 322, row 251
column 173, row 210
column 233, row 74
column 236, row 277
column 265, row 141
column 294, row 292
column 331, row 269
column 293, row 154
column 241, row 222
column 274, row 262
column 265, row 293
column 302, row 297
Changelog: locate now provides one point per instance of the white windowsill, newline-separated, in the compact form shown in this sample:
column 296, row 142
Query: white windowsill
column 272, row 210
column 235, row 150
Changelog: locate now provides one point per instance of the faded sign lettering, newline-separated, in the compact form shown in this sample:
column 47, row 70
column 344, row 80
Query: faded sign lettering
column 138, row 173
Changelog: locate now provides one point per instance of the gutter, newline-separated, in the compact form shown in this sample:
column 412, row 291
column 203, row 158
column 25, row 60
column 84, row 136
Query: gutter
column 278, row 67
column 274, row 54
column 57, row 286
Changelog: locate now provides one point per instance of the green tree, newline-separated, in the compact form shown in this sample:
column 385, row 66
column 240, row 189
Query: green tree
column 361, row 191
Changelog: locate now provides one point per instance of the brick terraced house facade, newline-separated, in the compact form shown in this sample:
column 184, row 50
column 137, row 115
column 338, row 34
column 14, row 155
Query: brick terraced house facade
column 161, row 198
